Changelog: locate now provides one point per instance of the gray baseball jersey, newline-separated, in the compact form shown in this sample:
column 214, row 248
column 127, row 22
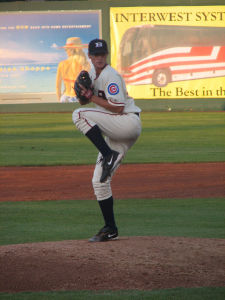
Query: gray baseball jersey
column 111, row 86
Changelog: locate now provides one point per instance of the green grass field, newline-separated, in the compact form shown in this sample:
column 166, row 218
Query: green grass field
column 51, row 139
column 216, row 293
column 41, row 221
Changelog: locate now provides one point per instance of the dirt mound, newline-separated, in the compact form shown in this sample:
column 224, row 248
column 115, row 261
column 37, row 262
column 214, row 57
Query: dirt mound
column 128, row 263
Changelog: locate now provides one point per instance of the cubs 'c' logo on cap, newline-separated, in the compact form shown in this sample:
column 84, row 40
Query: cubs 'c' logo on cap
column 113, row 89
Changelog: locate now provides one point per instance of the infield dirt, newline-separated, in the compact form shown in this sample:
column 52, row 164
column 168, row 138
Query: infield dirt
column 147, row 181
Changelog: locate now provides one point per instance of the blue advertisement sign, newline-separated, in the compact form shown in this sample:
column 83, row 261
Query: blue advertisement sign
column 32, row 44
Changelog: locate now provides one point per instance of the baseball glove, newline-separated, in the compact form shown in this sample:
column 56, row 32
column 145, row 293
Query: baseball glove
column 83, row 87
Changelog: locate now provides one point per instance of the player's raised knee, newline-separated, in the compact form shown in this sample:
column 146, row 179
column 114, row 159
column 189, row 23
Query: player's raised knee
column 76, row 115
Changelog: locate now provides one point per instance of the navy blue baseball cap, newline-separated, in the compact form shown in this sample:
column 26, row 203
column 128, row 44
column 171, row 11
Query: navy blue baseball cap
column 97, row 46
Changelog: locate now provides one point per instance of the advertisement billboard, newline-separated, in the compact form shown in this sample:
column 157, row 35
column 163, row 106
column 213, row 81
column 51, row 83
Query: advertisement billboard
column 170, row 52
column 32, row 45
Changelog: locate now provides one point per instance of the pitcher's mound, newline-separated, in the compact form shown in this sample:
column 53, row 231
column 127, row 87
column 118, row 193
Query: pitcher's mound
column 143, row 263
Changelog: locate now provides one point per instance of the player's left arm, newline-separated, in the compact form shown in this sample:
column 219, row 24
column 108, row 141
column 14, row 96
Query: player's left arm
column 114, row 95
column 107, row 104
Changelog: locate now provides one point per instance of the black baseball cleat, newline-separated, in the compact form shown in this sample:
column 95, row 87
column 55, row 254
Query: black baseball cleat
column 109, row 163
column 105, row 234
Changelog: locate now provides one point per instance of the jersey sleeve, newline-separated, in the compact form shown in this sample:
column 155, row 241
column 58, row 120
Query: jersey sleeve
column 114, row 90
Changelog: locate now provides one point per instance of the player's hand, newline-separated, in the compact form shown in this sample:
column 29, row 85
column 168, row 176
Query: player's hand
column 88, row 93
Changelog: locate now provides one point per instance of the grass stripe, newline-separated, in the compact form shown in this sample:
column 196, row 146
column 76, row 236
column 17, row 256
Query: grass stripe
column 25, row 222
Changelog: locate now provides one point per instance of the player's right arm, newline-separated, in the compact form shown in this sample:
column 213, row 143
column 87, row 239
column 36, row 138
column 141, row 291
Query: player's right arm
column 118, row 109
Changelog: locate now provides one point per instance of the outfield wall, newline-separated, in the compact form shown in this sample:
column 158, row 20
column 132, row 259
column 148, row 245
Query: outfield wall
column 104, row 6
column 99, row 4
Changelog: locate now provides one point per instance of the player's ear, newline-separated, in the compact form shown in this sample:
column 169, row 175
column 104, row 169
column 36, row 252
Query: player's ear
column 89, row 56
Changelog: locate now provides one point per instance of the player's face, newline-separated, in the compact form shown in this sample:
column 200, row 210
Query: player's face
column 98, row 61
